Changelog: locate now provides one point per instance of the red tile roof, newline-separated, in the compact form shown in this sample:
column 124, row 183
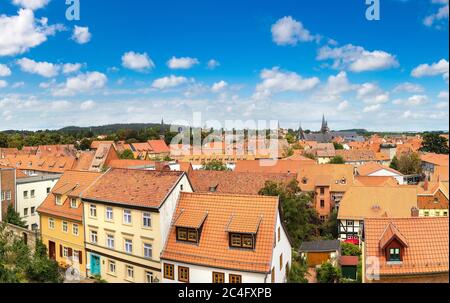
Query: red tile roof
column 372, row 167
column 158, row 146
column 213, row 248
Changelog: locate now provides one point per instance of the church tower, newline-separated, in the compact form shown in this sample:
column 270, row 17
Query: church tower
column 324, row 129
column 301, row 133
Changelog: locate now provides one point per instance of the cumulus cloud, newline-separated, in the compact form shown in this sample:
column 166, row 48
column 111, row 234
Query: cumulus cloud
column 372, row 94
column 31, row 4
column 182, row 63
column 87, row 105
column 343, row 105
column 81, row 35
column 169, row 82
column 288, row 31
column 275, row 81
column 219, row 86
column 81, row 83
column 4, row 71
column 21, row 32
column 3, row 84
column 356, row 58
column 409, row 88
column 439, row 16
column 213, row 64
column 372, row 108
column 437, row 68
column 44, row 69
column 414, row 100
column 137, row 61
column 69, row 68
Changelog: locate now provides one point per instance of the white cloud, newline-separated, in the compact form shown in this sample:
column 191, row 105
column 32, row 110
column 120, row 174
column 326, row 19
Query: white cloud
column 136, row 61
column 87, row 105
column 372, row 108
column 443, row 95
column 18, row 84
column 409, row 88
column 213, row 64
column 440, row 15
column 21, row 32
column 60, row 105
column 3, row 84
column 44, row 69
column 275, row 80
column 438, row 68
column 414, row 100
column 372, row 94
column 169, row 82
column 288, row 31
column 4, row 71
column 31, row 4
column 357, row 59
column 219, row 86
column 81, row 83
column 81, row 35
column 343, row 105
column 182, row 63
column 69, row 68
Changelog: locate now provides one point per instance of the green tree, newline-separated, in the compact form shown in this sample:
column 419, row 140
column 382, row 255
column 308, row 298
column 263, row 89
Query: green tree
column 327, row 273
column 410, row 164
column 394, row 163
column 310, row 156
column 337, row 160
column 13, row 217
column 298, row 270
column 3, row 140
column 301, row 220
column 85, row 144
column 434, row 143
column 291, row 139
column 338, row 145
column 215, row 165
column 127, row 154
column 349, row 249
column 329, row 228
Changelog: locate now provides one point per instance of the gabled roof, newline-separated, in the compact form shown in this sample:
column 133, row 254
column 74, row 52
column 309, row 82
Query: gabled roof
column 391, row 232
column 428, row 244
column 312, row 175
column 375, row 181
column 128, row 163
column 133, row 187
column 191, row 219
column 158, row 146
column 436, row 159
column 213, row 248
column 372, row 167
column 361, row 202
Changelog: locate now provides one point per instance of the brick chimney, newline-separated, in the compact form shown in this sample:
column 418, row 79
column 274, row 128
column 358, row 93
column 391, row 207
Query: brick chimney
column 414, row 212
column 425, row 184
column 162, row 166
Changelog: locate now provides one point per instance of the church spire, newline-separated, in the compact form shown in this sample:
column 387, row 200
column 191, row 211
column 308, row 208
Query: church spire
column 324, row 128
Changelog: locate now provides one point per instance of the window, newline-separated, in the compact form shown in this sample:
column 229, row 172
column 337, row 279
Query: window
column 183, row 274
column 394, row 254
column 235, row 279
column 110, row 241
column 130, row 272
column 58, row 199
column 25, row 194
column 148, row 250
column 168, row 271
column 75, row 229
column 148, row 277
column 33, row 210
column 111, row 267
column 281, row 262
column 445, row 213
column 349, row 223
column 181, row 187
column 48, row 190
column 128, row 246
column 109, row 214
column 427, row 213
column 192, row 235
column 51, row 223
column 65, row 252
column 25, row 212
column 93, row 210
column 242, row 241
column 65, row 227
column 437, row 213
column 94, row 236
column 322, row 203
column 76, row 255
column 32, row 194
column 127, row 216
column 218, row 277
column 279, row 233
column 187, row 234
column 8, row 195
column 73, row 203
column 322, row 190
column 182, row 234
column 146, row 220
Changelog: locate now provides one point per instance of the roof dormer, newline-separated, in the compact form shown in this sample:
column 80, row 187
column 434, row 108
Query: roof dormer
column 393, row 244
column 189, row 226
column 242, row 231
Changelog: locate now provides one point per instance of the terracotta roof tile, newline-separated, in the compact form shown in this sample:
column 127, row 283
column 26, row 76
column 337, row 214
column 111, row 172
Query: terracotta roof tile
column 191, row 219
column 437, row 159
column 372, row 167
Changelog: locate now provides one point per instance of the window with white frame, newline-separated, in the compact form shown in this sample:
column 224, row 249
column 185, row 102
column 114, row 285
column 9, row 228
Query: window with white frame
column 111, row 267
column 94, row 236
column 25, row 194
column 147, row 220
column 65, row 252
column 130, row 272
column 75, row 229
column 65, row 227
column 33, row 193
column 127, row 216
column 93, row 210
column 109, row 214
column 148, row 277
column 25, row 212
column 58, row 199
column 51, row 223
column 33, row 210
column 73, row 203
column 76, row 255
column 148, row 250
column 129, row 246
column 110, row 241
column 8, row 195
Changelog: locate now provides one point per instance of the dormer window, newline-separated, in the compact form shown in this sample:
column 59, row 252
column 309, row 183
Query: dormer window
column 242, row 241
column 394, row 254
column 58, row 199
column 187, row 234
column 73, row 203
column 189, row 226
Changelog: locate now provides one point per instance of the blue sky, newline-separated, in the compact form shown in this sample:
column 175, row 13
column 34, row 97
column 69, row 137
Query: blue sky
column 138, row 61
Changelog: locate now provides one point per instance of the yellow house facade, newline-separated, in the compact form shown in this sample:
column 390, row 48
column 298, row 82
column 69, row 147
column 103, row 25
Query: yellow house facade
column 61, row 220
column 127, row 217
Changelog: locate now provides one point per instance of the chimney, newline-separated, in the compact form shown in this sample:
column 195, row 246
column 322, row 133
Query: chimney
column 161, row 166
column 425, row 184
column 414, row 212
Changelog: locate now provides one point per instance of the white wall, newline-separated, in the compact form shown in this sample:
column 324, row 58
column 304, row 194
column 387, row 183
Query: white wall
column 40, row 189
column 387, row 173
column 281, row 247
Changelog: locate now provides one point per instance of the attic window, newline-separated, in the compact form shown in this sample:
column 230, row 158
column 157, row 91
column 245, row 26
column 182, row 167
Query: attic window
column 213, row 188
column 436, row 200
column 58, row 199
column 246, row 241
column 394, row 255
column 187, row 234
column 343, row 181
